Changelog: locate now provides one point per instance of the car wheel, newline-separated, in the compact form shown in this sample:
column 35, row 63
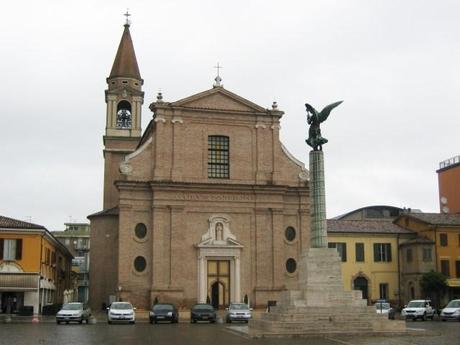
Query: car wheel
column 445, row 320
column 80, row 321
column 229, row 321
column 132, row 322
column 109, row 322
column 58, row 322
column 424, row 317
column 67, row 322
column 155, row 321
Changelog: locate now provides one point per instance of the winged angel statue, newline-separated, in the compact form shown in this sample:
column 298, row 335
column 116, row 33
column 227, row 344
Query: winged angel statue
column 314, row 119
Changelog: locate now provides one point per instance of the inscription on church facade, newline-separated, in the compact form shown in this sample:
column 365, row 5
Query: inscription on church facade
column 213, row 197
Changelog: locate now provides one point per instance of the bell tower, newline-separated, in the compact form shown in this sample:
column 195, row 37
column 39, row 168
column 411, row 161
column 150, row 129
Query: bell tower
column 124, row 98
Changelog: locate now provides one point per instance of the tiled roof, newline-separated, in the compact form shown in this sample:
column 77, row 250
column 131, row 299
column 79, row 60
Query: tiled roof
column 418, row 240
column 108, row 212
column 10, row 223
column 436, row 218
column 365, row 226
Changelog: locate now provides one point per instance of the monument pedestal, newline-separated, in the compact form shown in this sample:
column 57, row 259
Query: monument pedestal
column 321, row 306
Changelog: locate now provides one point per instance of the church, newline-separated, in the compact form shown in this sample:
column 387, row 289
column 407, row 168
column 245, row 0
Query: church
column 205, row 204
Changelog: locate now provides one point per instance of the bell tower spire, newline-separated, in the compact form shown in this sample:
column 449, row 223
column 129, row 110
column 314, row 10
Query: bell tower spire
column 124, row 98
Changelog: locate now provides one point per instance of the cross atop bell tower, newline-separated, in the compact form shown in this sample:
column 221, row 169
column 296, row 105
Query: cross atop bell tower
column 124, row 98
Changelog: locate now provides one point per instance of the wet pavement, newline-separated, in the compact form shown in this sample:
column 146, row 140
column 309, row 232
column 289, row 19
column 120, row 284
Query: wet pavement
column 48, row 333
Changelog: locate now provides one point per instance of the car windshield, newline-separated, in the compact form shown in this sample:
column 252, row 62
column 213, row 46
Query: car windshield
column 379, row 306
column 240, row 306
column 165, row 307
column 417, row 304
column 454, row 304
column 203, row 307
column 121, row 306
column 72, row 306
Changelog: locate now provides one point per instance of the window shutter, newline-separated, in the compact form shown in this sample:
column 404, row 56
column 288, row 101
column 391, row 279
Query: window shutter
column 344, row 252
column 1, row 249
column 376, row 252
column 389, row 252
column 19, row 249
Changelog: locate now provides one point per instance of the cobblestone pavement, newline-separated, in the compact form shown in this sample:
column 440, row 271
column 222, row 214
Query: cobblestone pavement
column 48, row 333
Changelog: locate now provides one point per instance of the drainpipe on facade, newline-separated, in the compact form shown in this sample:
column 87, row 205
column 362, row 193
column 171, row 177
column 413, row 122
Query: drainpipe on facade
column 40, row 293
column 399, row 272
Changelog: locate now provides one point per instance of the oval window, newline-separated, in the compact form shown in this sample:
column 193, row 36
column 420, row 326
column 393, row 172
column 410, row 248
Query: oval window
column 140, row 263
column 290, row 233
column 140, row 230
column 291, row 265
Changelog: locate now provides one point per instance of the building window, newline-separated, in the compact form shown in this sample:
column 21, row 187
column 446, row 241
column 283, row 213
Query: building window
column 341, row 248
column 382, row 252
column 383, row 290
column 409, row 255
column 290, row 233
column 10, row 249
column 359, row 249
column 427, row 255
column 218, row 157
column 443, row 240
column 140, row 230
column 445, row 268
column 140, row 264
column 291, row 265
column 457, row 269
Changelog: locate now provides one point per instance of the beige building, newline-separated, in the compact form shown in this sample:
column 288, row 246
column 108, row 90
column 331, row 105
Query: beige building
column 206, row 203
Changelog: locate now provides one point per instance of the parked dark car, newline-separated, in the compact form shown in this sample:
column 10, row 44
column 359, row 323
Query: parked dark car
column 164, row 312
column 202, row 312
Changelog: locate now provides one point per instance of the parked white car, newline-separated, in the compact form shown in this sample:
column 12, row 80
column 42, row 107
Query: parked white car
column 418, row 309
column 73, row 312
column 451, row 311
column 121, row 312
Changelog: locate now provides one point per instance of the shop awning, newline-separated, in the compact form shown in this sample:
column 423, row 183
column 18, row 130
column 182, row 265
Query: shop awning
column 18, row 281
column 453, row 282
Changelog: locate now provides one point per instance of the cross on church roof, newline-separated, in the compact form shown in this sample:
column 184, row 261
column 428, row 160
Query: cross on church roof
column 218, row 79
column 127, row 15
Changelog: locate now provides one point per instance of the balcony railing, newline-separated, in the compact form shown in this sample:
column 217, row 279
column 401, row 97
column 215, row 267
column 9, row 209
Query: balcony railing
column 448, row 162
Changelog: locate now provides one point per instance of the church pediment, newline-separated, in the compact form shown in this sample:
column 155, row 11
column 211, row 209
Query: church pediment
column 219, row 99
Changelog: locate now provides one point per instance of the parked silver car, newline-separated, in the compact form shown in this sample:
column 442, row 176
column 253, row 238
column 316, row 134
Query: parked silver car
column 238, row 312
column 451, row 311
column 73, row 312
column 121, row 312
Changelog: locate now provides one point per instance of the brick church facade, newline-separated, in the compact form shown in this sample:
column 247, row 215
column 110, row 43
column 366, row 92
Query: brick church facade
column 204, row 204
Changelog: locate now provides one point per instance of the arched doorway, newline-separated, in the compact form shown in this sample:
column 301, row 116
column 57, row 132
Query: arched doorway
column 217, row 294
column 361, row 283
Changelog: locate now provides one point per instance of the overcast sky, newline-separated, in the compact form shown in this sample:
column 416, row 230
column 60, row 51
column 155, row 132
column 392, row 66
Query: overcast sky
column 396, row 65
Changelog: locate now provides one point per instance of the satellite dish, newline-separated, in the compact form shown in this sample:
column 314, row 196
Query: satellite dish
column 443, row 200
column 445, row 209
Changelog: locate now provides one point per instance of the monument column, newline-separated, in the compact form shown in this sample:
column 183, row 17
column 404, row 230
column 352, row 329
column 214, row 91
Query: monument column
column 318, row 198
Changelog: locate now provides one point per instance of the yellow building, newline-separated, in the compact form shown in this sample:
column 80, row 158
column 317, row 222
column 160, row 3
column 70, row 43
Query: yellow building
column 34, row 267
column 444, row 231
column 370, row 255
